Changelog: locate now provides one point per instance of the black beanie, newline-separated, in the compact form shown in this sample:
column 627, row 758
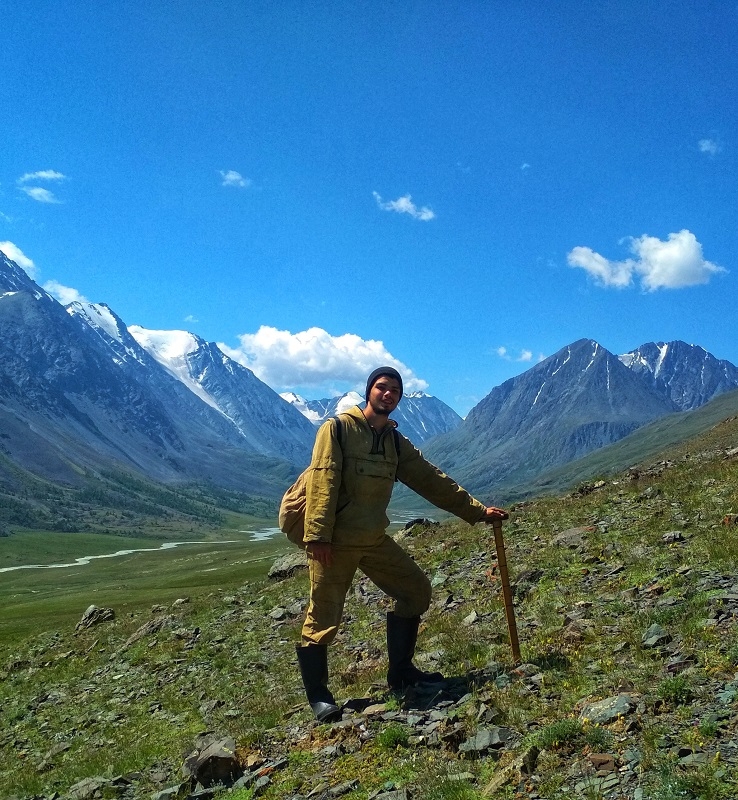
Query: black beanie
column 390, row 372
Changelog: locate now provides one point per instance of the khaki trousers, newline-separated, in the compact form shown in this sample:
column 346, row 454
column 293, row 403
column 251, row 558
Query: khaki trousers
column 386, row 564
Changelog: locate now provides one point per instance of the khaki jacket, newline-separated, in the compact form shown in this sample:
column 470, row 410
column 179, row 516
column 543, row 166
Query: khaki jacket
column 350, row 482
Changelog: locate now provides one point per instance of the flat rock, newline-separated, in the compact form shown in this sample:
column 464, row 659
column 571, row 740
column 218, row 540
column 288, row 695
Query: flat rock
column 608, row 710
column 288, row 565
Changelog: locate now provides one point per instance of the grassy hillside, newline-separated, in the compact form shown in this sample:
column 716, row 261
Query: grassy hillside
column 121, row 503
column 645, row 443
column 626, row 597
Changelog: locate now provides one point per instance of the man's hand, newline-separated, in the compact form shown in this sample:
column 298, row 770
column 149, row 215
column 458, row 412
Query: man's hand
column 322, row 552
column 492, row 514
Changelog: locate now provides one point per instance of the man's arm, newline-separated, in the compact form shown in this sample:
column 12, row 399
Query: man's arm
column 416, row 472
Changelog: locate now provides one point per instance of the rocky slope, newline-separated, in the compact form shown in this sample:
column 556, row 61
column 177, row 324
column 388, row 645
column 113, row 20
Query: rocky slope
column 625, row 597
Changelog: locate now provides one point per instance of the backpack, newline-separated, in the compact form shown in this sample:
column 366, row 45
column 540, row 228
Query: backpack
column 294, row 501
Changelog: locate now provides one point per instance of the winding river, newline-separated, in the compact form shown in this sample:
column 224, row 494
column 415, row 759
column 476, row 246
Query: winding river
column 257, row 535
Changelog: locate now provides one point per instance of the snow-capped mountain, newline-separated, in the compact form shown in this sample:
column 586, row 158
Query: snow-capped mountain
column 574, row 402
column 266, row 422
column 78, row 392
column 419, row 416
column 684, row 373
column 81, row 394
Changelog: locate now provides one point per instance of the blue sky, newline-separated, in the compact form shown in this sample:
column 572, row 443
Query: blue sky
column 457, row 188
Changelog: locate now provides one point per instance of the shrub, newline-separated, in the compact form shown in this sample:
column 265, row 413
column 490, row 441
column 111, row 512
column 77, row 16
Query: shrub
column 394, row 736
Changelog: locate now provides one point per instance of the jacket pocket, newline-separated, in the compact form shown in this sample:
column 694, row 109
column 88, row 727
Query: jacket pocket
column 376, row 469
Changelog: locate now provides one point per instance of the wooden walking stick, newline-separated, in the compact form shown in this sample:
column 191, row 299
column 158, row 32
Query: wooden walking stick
column 506, row 593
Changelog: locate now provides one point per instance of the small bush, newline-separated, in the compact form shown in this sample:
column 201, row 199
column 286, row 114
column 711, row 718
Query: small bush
column 674, row 690
column 558, row 734
column 393, row 736
column 599, row 739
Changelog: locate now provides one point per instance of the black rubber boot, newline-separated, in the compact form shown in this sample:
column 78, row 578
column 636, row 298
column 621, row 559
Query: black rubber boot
column 313, row 661
column 402, row 635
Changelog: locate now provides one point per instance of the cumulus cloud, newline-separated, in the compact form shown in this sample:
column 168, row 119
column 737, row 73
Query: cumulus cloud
column 39, row 194
column 405, row 205
column 671, row 264
column 14, row 253
column 42, row 175
column 709, row 146
column 64, row 294
column 313, row 358
column 232, row 178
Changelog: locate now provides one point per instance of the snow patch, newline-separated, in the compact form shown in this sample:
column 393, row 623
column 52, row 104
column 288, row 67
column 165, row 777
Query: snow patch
column 171, row 349
column 663, row 350
column 563, row 363
column 98, row 316
column 348, row 401
column 594, row 356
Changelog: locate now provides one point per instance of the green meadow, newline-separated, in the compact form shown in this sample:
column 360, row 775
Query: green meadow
column 36, row 599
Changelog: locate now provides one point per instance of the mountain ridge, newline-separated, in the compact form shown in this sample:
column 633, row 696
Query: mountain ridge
column 81, row 394
column 91, row 398
column 419, row 416
column 576, row 401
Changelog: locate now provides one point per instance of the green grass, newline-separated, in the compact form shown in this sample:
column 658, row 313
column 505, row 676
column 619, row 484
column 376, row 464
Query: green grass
column 37, row 600
column 226, row 665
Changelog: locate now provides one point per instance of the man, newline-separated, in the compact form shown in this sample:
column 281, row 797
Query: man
column 354, row 467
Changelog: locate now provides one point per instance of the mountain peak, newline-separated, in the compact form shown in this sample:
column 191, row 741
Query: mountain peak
column 685, row 373
column 98, row 316
column 13, row 278
column 420, row 416
column 167, row 347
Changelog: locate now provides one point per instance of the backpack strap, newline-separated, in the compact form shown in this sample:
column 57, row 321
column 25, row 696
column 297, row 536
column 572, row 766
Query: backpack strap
column 339, row 431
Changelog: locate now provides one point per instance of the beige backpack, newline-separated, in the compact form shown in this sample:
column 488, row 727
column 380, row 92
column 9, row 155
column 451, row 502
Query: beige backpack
column 292, row 507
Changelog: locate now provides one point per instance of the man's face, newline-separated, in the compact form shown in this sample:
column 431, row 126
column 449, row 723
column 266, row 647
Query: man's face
column 384, row 395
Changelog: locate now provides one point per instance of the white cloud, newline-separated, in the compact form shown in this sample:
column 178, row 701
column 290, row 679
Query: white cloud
column 14, row 253
column 191, row 318
column 64, row 294
column 42, row 175
column 314, row 358
column 39, row 194
column 523, row 356
column 607, row 273
column 709, row 146
column 671, row 264
column 524, row 166
column 233, row 178
column 405, row 205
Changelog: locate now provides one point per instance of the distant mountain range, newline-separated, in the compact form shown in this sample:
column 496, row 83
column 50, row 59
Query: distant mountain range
column 78, row 392
column 419, row 416
column 576, row 401
column 81, row 394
